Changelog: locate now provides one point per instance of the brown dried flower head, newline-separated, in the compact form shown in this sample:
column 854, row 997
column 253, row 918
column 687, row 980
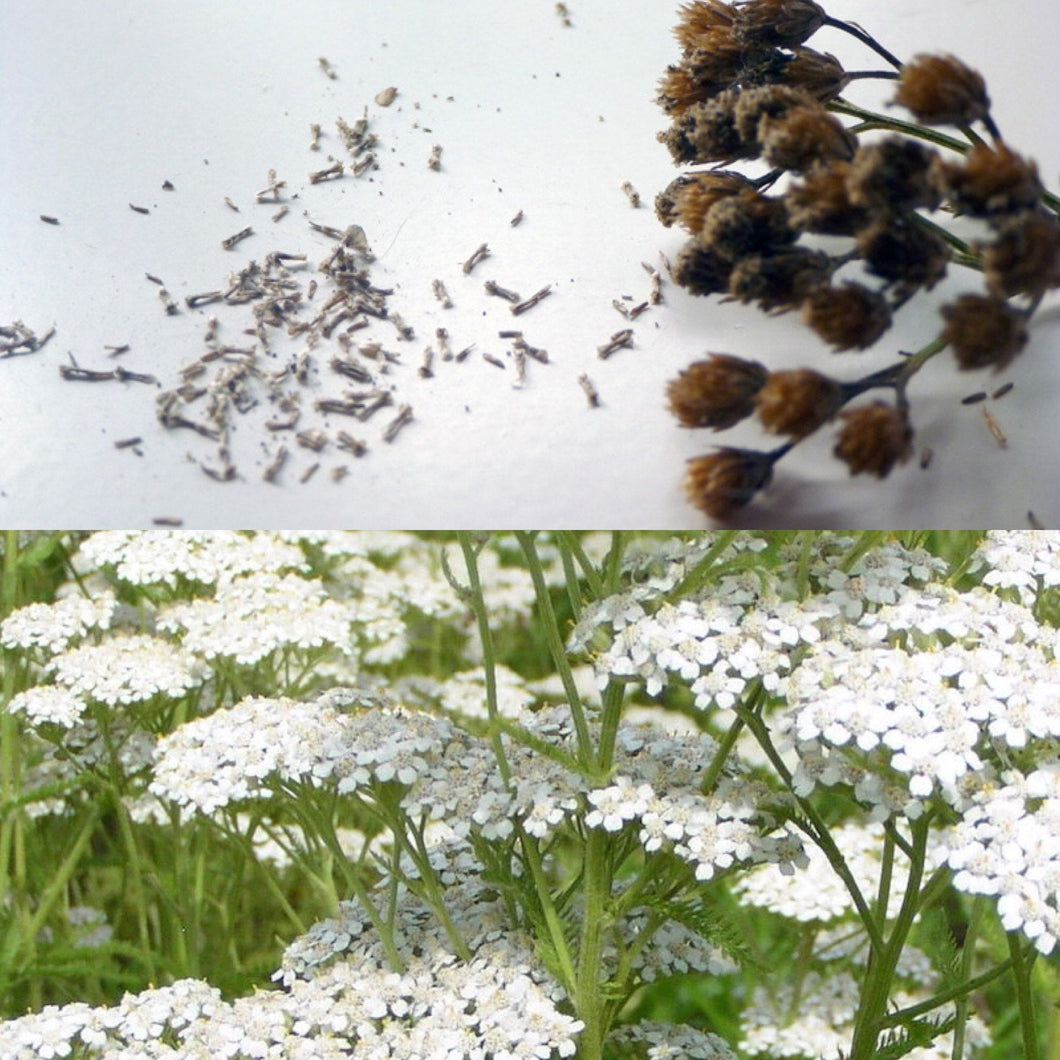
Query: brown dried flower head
column 803, row 137
column 874, row 438
column 983, row 331
column 746, row 223
column 1025, row 257
column 941, row 90
column 896, row 173
column 778, row 23
column 903, row 251
column 847, row 317
column 701, row 270
column 679, row 89
column 797, row 402
column 706, row 132
column 821, row 202
column 702, row 17
column 819, row 74
column 717, row 393
column 688, row 199
column 992, row 179
column 755, row 103
column 721, row 483
column 780, row 280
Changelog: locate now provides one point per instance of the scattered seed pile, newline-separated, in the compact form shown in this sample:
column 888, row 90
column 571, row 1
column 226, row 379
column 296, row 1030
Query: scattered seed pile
column 748, row 90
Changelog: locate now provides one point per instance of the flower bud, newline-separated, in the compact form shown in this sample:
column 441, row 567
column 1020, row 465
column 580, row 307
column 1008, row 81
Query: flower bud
column 847, row 317
column 778, row 23
column 797, row 402
column 874, row 438
column 941, row 90
column 721, row 483
column 1025, row 257
column 983, row 331
column 717, row 393
column 992, row 180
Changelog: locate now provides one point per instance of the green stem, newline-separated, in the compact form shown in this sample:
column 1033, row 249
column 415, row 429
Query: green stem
column 904, row 1015
column 698, row 576
column 880, row 973
column 569, row 541
column 861, row 35
column 489, row 660
column 586, row 754
column 871, row 119
column 589, row 997
column 1021, row 975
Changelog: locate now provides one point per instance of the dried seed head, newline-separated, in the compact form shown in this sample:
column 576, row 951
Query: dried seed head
column 687, row 199
column 902, row 251
column 702, row 17
column 847, row 317
column 992, row 180
column 707, row 132
column 679, row 89
column 717, row 393
column 1025, row 257
column 721, row 483
column 778, row 281
column 754, row 104
column 821, row 203
column 797, row 402
column 701, row 270
column 804, row 137
column 895, row 173
column 874, row 438
column 983, row 331
column 778, row 23
column 941, row 90
column 819, row 74
column 746, row 223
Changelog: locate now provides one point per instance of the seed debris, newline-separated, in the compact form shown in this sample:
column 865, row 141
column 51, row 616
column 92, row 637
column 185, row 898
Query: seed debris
column 480, row 253
column 926, row 456
column 442, row 294
column 502, row 292
column 350, row 444
column 591, row 392
column 620, row 340
column 404, row 416
column 139, row 209
column 328, row 173
column 328, row 69
column 167, row 520
column 1002, row 390
column 233, row 240
column 530, row 302
column 1036, row 523
column 995, row 428
column 516, row 220
column 655, row 297
column 309, row 473
column 974, row 399
column 127, row 443
column 117, row 351
column 632, row 194
column 435, row 160
column 48, row 219
column 16, row 339
column 386, row 97
column 495, row 361
column 275, row 465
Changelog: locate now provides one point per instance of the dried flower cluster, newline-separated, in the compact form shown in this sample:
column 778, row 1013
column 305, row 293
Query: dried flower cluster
column 748, row 89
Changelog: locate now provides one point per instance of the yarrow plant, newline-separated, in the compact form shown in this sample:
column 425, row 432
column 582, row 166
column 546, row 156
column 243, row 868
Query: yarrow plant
column 356, row 795
column 748, row 89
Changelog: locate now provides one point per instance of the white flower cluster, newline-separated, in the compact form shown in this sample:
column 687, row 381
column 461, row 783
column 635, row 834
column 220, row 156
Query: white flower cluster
column 932, row 710
column 1024, row 560
column 165, row 557
column 251, row 616
column 52, row 627
column 1007, row 844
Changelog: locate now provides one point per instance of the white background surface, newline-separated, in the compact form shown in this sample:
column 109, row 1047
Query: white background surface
column 103, row 102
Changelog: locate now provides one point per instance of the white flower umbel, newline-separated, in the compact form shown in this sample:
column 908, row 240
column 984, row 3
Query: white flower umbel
column 165, row 557
column 1023, row 560
column 127, row 668
column 1007, row 844
column 49, row 704
column 669, row 1041
column 52, row 627
column 252, row 616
